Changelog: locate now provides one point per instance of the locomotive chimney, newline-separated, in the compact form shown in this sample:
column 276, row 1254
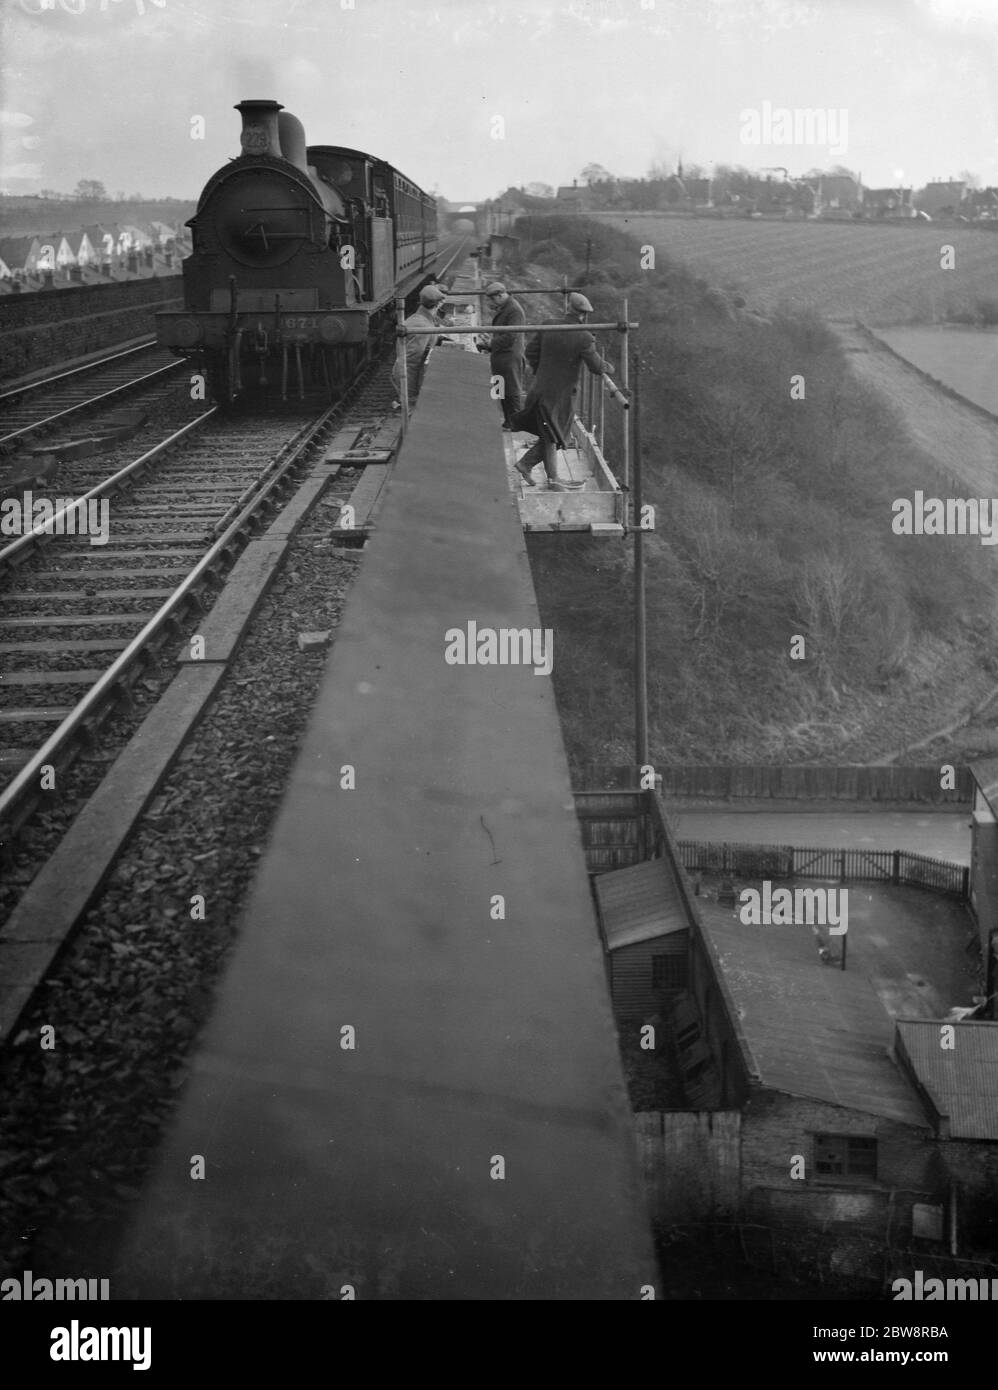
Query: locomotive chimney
column 292, row 136
column 259, row 133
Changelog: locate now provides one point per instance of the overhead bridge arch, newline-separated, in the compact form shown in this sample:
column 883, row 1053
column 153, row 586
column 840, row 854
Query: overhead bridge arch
column 465, row 217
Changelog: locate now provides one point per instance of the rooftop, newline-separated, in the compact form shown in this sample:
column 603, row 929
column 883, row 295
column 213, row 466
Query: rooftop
column 959, row 1083
column 812, row 1029
column 639, row 903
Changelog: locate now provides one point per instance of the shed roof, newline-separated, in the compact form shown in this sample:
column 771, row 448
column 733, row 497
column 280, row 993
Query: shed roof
column 813, row 1030
column 960, row 1083
column 639, row 903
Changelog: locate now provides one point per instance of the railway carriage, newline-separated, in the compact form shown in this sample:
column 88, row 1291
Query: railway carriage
column 298, row 256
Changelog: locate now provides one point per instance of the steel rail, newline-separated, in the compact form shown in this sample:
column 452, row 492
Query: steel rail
column 46, row 528
column 105, row 684
column 92, row 400
column 93, row 366
column 447, row 264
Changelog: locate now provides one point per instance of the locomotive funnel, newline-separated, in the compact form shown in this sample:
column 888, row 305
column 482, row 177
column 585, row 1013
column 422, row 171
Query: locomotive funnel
column 292, row 137
column 260, row 130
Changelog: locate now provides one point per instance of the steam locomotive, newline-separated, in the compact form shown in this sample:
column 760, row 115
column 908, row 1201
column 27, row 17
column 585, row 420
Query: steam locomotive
column 298, row 256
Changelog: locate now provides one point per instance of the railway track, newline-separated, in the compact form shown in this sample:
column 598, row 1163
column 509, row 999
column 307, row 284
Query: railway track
column 62, row 398
column 82, row 622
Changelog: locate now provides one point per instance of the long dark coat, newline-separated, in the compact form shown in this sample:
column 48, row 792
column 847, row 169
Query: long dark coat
column 550, row 404
column 506, row 357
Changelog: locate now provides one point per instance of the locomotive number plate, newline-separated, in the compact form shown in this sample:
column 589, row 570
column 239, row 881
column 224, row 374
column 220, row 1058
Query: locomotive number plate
column 298, row 321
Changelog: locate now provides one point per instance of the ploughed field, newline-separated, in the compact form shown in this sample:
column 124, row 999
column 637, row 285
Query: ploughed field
column 882, row 274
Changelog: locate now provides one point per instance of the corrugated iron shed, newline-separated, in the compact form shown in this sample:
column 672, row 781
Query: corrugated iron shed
column 961, row 1082
column 813, row 1030
column 639, row 903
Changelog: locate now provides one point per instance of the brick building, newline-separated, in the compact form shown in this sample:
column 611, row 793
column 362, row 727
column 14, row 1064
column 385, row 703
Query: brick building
column 854, row 1135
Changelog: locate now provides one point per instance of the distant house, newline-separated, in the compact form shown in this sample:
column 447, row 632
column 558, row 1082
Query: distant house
column 164, row 234
column 115, row 239
column 838, row 193
column 941, row 198
column 18, row 256
column 513, row 200
column 101, row 240
column 980, row 204
column 83, row 249
column 54, row 252
column 888, row 202
column 138, row 236
column 575, row 198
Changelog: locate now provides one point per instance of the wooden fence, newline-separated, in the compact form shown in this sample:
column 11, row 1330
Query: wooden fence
column 620, row 828
column 895, row 866
column 776, row 782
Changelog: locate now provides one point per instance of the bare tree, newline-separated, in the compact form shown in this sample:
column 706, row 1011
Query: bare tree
column 595, row 173
column 90, row 191
column 830, row 602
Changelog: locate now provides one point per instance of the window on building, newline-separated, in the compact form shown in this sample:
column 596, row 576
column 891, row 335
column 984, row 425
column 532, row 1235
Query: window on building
column 845, row 1156
column 668, row 972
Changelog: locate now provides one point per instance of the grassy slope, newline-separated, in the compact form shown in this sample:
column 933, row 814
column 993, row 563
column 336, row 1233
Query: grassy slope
column 773, row 521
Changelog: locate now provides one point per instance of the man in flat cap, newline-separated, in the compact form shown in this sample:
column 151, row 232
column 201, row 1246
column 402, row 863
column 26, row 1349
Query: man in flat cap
column 417, row 346
column 506, row 350
column 550, row 405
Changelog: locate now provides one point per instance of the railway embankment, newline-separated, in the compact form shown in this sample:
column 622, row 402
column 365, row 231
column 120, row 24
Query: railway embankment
column 787, row 620
column 64, row 324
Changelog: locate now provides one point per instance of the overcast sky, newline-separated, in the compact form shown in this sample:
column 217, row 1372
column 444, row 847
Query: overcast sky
column 106, row 89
